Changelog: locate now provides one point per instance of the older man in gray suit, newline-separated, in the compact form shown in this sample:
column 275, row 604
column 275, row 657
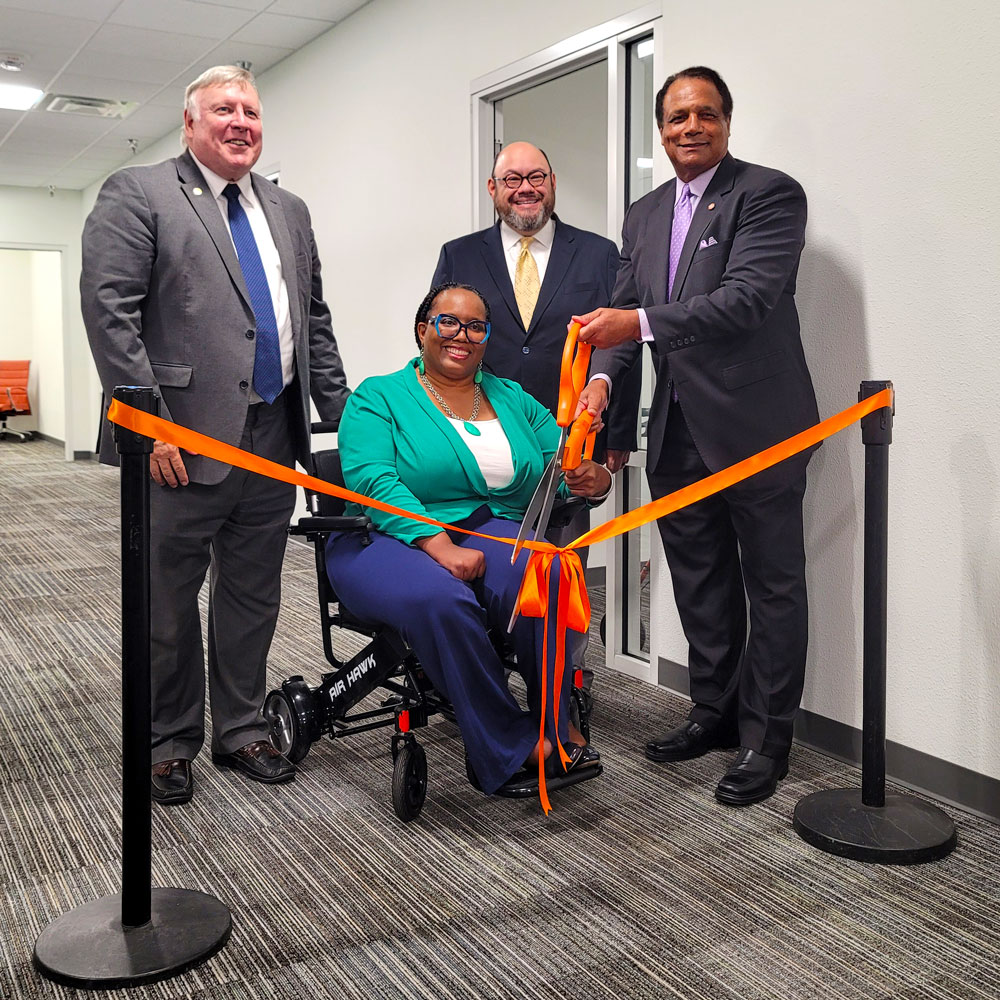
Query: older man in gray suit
column 202, row 280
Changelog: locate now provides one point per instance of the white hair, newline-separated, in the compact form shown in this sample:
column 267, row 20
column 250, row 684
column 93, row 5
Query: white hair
column 217, row 76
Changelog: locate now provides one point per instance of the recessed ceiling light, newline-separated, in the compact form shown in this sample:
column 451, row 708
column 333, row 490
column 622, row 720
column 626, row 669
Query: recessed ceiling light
column 14, row 97
column 11, row 62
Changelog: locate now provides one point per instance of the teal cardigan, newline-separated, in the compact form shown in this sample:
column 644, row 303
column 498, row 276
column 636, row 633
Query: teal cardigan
column 398, row 447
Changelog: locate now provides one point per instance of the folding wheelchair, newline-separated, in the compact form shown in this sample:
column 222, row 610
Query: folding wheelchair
column 298, row 714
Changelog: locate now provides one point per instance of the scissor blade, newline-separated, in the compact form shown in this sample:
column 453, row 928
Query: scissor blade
column 535, row 508
column 546, row 485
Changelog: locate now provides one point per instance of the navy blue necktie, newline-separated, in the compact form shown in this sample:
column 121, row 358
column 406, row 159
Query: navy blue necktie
column 267, row 377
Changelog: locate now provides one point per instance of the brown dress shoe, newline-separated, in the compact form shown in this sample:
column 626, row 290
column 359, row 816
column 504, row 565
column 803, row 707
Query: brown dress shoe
column 172, row 782
column 259, row 761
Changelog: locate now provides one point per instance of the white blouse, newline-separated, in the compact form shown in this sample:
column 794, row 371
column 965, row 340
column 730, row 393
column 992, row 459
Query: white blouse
column 491, row 450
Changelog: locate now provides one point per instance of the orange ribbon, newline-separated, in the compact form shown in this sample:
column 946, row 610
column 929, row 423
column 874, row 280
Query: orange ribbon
column 572, row 603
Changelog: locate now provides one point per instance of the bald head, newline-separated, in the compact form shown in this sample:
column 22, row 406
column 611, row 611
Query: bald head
column 524, row 204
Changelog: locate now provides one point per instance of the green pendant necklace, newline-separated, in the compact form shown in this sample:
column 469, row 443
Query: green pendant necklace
column 477, row 398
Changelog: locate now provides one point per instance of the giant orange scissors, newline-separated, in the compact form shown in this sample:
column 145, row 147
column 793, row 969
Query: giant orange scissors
column 576, row 443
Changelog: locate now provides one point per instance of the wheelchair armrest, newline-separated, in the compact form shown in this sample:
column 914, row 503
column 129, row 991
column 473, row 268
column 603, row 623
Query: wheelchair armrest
column 324, row 426
column 307, row 525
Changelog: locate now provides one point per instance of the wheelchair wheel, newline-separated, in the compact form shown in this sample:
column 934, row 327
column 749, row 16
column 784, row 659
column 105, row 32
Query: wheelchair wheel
column 409, row 781
column 287, row 727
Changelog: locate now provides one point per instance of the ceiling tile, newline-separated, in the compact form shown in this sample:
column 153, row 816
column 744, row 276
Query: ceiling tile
column 19, row 178
column 113, row 39
column 76, row 178
column 241, row 4
column 172, row 95
column 126, row 66
column 326, row 10
column 181, row 15
column 51, row 125
column 22, row 141
column 90, row 10
column 7, row 119
column 149, row 123
column 81, row 85
column 26, row 31
column 261, row 57
column 274, row 29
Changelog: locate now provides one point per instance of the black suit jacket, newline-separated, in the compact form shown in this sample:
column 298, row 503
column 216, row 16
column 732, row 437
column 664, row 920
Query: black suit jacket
column 729, row 336
column 579, row 277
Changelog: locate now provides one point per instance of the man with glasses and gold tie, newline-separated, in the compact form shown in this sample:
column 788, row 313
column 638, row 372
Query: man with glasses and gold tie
column 202, row 280
column 536, row 272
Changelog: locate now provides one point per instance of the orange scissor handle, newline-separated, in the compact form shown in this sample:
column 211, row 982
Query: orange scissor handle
column 572, row 375
column 580, row 443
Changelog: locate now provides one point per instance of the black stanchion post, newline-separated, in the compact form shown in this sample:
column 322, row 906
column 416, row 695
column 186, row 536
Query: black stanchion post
column 134, row 451
column 140, row 934
column 870, row 825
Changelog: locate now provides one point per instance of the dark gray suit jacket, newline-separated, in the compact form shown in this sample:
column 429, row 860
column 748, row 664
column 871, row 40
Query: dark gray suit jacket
column 579, row 277
column 165, row 305
column 729, row 336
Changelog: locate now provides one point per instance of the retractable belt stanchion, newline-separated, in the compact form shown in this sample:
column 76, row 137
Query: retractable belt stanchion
column 140, row 934
column 869, row 825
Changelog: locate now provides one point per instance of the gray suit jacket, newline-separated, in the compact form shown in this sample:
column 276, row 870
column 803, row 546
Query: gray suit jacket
column 728, row 338
column 165, row 305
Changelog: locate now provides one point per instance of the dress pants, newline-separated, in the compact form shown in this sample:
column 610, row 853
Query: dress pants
column 743, row 547
column 237, row 529
column 445, row 621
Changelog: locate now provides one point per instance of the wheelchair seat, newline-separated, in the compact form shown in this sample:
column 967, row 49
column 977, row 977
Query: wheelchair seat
column 298, row 714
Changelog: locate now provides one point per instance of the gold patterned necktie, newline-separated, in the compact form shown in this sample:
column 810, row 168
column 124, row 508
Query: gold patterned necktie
column 526, row 282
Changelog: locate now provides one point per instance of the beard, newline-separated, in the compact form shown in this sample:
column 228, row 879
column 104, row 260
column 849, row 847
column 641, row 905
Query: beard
column 528, row 223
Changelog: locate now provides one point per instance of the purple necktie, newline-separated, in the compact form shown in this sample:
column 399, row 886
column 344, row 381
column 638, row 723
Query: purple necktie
column 678, row 233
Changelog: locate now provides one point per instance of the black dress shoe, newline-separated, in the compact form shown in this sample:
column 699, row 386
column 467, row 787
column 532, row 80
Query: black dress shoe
column 172, row 782
column 687, row 741
column 259, row 761
column 752, row 777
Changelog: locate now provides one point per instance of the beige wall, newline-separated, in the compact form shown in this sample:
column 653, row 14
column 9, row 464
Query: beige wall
column 885, row 113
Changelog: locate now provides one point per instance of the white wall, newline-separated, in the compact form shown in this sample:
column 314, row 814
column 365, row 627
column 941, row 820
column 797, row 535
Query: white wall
column 885, row 113
column 31, row 329
column 29, row 217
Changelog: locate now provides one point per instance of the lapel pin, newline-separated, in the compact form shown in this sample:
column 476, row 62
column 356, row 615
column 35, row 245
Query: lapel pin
column 711, row 206
column 197, row 190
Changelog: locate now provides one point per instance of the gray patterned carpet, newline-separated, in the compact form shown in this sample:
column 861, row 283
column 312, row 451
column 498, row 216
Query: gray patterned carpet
column 638, row 885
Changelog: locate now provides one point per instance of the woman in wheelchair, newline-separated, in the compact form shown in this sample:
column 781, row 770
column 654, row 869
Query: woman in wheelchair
column 445, row 439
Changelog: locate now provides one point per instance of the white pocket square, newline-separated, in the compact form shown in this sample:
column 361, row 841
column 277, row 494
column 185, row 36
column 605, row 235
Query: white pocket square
column 710, row 242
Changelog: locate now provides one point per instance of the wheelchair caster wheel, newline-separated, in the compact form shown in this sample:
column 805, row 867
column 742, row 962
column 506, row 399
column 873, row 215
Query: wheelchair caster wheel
column 409, row 781
column 288, row 716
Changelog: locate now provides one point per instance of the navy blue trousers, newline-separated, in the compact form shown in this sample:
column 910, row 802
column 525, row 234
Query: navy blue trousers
column 445, row 621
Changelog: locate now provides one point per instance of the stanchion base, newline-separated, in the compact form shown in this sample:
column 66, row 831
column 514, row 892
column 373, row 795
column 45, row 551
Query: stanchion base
column 90, row 949
column 905, row 831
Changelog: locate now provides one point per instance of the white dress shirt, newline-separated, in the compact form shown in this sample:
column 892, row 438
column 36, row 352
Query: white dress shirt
column 539, row 248
column 268, row 257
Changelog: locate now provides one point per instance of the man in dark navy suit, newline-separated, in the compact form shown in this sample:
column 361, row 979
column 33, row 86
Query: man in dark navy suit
column 709, row 262
column 537, row 272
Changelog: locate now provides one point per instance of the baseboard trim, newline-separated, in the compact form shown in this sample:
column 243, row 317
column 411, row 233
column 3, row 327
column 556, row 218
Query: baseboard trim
column 82, row 456
column 949, row 783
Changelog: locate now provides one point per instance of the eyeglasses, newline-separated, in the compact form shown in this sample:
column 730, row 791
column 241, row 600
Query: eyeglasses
column 449, row 327
column 513, row 181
